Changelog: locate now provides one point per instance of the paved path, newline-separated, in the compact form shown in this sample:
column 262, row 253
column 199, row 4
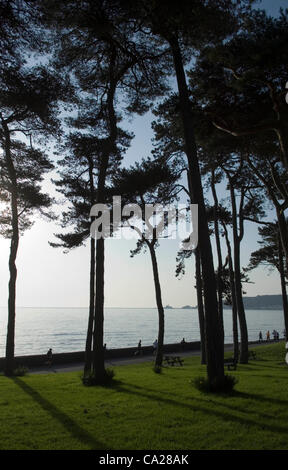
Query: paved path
column 121, row 361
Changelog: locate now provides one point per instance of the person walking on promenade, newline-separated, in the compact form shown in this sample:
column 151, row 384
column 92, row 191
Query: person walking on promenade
column 139, row 351
column 155, row 346
column 260, row 336
column 268, row 336
column 49, row 357
column 183, row 344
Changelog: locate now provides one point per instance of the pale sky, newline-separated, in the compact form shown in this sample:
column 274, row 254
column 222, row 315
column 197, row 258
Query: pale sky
column 49, row 278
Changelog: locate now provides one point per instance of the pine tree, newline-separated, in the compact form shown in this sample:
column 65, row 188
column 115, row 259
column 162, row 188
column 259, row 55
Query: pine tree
column 150, row 183
column 241, row 83
column 95, row 41
column 28, row 103
column 271, row 254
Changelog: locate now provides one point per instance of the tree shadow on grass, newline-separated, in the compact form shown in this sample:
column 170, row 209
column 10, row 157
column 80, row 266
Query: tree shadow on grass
column 71, row 426
column 151, row 394
column 243, row 408
column 260, row 398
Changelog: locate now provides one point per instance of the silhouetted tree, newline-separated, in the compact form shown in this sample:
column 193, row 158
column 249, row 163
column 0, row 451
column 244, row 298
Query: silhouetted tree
column 225, row 219
column 78, row 183
column 241, row 180
column 182, row 256
column 271, row 254
column 28, row 105
column 150, row 183
column 184, row 28
column 247, row 93
column 96, row 42
column 263, row 159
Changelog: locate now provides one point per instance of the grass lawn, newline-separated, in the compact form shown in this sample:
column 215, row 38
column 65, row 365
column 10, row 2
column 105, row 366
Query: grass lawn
column 144, row 410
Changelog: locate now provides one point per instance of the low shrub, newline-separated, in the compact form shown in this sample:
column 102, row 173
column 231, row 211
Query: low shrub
column 90, row 379
column 224, row 385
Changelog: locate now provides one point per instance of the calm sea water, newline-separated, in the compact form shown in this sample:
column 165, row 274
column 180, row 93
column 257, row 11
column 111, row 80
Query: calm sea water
column 64, row 329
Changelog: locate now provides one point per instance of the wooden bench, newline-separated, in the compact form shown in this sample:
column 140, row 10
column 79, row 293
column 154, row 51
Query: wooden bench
column 172, row 360
column 230, row 363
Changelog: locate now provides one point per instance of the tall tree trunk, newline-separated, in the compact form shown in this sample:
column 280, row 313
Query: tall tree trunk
column 200, row 306
column 159, row 353
column 199, row 292
column 109, row 149
column 233, row 297
column 283, row 286
column 244, row 352
column 10, row 343
column 98, row 334
column 98, row 366
column 214, row 343
column 89, row 337
column 219, row 255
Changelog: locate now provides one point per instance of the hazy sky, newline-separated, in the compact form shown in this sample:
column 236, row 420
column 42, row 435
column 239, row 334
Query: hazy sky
column 47, row 277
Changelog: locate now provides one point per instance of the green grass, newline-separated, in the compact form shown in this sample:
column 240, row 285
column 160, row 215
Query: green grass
column 144, row 410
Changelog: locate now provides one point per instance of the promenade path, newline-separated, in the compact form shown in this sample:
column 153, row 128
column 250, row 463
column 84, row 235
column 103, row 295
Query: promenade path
column 78, row 366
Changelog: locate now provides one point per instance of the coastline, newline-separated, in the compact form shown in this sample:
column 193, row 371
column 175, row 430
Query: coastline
column 124, row 356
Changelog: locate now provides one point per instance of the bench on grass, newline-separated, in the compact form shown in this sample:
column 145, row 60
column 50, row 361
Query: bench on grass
column 230, row 363
column 172, row 360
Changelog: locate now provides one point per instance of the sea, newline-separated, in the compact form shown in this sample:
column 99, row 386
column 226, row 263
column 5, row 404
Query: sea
column 64, row 329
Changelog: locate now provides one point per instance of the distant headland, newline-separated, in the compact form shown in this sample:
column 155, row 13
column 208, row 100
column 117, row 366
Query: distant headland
column 185, row 307
column 262, row 302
